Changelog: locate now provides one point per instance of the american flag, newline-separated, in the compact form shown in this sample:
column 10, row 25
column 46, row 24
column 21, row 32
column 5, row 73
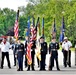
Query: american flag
column 28, row 54
column 33, row 37
column 33, row 33
column 16, row 26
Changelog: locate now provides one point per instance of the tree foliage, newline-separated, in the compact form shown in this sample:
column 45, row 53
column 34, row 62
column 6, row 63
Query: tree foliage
column 49, row 9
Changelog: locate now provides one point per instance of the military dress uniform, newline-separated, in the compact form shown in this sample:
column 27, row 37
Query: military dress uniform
column 32, row 56
column 53, row 50
column 43, row 54
column 20, row 53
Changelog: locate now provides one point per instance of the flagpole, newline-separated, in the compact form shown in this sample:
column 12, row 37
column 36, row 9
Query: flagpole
column 33, row 21
column 43, row 26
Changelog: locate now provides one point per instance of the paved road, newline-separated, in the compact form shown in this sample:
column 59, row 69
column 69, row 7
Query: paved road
column 66, row 71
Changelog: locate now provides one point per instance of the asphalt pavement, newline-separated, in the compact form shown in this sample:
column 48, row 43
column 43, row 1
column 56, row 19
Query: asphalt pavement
column 63, row 71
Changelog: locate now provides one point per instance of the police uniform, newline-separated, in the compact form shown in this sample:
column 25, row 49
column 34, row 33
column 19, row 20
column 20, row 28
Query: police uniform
column 43, row 54
column 32, row 56
column 53, row 47
column 20, row 53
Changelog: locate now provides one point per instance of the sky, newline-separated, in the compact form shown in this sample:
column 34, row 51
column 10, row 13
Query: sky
column 13, row 4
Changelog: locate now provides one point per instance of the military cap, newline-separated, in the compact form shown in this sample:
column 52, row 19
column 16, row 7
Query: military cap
column 19, row 38
column 41, row 37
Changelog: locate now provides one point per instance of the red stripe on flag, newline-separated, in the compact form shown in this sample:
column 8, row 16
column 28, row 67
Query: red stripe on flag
column 16, row 29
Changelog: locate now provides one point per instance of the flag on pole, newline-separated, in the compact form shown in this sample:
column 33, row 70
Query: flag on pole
column 62, row 31
column 43, row 27
column 16, row 26
column 28, row 54
column 54, row 30
column 38, row 37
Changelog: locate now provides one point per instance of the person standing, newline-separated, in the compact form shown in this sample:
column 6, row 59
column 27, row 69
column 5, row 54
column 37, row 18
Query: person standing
column 5, row 52
column 0, row 51
column 53, row 50
column 66, row 45
column 43, row 53
column 19, row 54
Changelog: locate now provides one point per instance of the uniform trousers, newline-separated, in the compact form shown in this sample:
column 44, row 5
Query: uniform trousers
column 42, row 62
column 20, row 63
column 54, row 56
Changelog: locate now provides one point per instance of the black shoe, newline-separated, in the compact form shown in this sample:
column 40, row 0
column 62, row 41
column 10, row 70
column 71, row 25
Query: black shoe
column 44, row 69
column 50, row 69
column 69, row 65
column 65, row 65
column 1, row 67
column 18, row 70
column 9, row 67
column 28, row 69
column 58, row 69
column 40, row 70
column 21, row 70
column 33, row 69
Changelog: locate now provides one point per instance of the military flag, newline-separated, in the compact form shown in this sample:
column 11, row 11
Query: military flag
column 62, row 31
column 54, row 30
